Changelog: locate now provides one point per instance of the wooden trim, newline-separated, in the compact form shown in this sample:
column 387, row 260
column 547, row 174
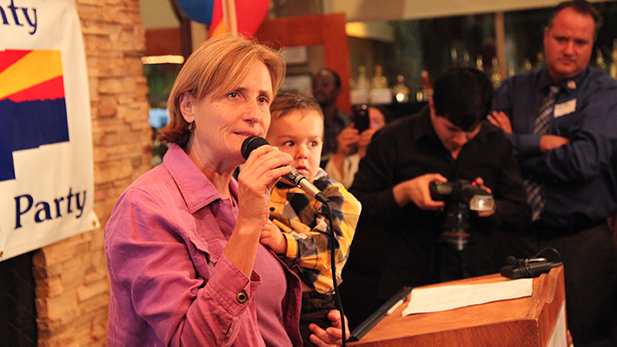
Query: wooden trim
column 163, row 41
column 327, row 30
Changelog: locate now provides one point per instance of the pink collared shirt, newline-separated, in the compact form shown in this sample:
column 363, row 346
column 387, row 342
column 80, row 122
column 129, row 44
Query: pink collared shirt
column 171, row 284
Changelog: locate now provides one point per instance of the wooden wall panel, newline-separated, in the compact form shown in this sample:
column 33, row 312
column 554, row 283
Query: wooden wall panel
column 327, row 30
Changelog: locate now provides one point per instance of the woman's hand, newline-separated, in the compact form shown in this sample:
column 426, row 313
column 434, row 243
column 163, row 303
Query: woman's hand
column 366, row 136
column 258, row 176
column 365, row 139
column 346, row 139
column 333, row 336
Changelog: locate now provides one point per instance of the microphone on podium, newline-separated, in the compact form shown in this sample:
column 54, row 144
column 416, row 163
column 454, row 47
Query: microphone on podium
column 527, row 268
column 296, row 178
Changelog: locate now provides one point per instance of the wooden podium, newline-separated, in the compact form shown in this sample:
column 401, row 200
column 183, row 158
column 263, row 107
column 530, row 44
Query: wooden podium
column 537, row 320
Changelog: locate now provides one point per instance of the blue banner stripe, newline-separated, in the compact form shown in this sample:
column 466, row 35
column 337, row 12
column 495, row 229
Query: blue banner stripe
column 27, row 125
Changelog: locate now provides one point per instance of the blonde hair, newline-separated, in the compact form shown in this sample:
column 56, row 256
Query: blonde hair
column 217, row 66
column 284, row 103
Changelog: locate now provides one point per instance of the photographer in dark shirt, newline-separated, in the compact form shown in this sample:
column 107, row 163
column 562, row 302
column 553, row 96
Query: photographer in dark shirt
column 449, row 141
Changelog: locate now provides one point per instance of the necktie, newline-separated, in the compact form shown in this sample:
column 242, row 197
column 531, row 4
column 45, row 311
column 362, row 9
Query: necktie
column 535, row 190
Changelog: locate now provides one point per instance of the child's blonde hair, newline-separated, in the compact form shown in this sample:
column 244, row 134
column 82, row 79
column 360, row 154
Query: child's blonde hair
column 285, row 103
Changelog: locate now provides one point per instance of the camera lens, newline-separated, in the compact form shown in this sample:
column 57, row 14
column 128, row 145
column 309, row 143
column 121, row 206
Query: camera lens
column 455, row 226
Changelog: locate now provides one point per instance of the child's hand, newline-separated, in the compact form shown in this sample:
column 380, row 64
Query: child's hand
column 272, row 237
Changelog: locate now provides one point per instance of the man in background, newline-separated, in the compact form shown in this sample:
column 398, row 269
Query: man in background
column 562, row 121
column 448, row 141
column 326, row 89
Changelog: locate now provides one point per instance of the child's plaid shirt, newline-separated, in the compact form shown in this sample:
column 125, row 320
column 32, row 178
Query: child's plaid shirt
column 305, row 226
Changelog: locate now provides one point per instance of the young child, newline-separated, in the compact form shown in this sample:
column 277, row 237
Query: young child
column 299, row 229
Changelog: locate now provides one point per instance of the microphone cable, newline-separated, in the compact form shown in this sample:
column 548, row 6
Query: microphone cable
column 549, row 249
column 337, row 296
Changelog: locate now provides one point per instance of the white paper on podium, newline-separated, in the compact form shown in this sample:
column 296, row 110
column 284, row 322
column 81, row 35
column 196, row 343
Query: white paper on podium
column 450, row 297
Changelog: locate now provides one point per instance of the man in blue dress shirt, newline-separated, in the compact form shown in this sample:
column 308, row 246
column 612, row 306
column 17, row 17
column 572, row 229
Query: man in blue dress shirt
column 572, row 164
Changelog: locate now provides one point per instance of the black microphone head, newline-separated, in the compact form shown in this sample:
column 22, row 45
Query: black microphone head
column 251, row 143
column 509, row 271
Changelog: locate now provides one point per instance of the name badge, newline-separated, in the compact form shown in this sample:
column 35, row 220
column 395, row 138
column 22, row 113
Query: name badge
column 565, row 108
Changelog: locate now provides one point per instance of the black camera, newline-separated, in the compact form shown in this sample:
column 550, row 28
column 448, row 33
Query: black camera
column 460, row 196
column 361, row 118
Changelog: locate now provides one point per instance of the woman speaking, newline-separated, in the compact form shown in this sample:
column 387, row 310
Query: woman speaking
column 182, row 243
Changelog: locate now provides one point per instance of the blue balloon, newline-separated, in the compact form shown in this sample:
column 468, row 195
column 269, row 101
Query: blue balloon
column 197, row 10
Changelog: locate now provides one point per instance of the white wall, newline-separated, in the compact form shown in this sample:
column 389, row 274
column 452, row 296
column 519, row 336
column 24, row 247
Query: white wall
column 157, row 14
column 372, row 10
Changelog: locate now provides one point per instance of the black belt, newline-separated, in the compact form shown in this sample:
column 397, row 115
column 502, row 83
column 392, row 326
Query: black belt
column 542, row 232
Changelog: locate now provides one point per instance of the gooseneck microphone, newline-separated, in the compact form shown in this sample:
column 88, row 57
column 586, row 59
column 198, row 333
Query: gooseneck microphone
column 527, row 268
column 253, row 142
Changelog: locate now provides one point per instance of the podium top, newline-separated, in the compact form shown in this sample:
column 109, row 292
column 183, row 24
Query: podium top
column 528, row 319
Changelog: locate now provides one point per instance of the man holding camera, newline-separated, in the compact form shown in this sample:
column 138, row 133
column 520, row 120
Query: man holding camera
column 448, row 142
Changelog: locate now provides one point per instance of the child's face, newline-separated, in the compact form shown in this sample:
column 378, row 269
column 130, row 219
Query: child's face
column 299, row 133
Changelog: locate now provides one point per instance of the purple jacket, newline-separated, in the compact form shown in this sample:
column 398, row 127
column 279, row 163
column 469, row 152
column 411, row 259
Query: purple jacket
column 171, row 285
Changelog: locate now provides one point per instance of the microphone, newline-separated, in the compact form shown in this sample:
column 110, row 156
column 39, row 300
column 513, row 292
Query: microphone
column 296, row 178
column 527, row 268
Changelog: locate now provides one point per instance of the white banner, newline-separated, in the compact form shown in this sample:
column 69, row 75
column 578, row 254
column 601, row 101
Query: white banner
column 46, row 164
